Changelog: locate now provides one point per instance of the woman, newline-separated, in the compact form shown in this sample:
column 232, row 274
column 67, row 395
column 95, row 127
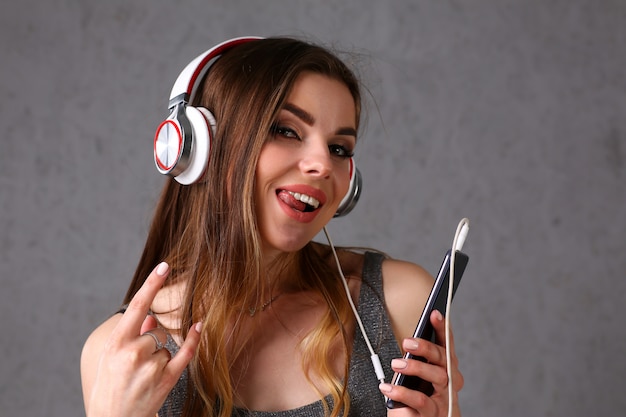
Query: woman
column 253, row 313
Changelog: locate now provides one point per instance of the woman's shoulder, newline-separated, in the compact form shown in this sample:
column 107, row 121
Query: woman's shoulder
column 395, row 271
column 406, row 287
column 92, row 350
column 96, row 340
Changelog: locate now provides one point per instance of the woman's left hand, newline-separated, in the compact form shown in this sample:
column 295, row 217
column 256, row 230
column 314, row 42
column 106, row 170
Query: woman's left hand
column 433, row 370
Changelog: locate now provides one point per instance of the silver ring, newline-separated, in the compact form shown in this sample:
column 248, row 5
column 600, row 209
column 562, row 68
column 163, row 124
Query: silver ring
column 159, row 345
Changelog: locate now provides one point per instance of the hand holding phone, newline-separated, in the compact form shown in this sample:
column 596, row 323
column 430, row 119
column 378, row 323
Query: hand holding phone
column 436, row 301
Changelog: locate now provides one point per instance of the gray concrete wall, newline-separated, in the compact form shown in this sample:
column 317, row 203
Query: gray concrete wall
column 509, row 112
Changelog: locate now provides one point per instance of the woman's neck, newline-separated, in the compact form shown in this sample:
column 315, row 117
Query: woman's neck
column 283, row 272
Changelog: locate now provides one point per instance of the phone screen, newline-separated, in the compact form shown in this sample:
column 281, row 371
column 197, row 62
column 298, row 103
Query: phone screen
column 436, row 301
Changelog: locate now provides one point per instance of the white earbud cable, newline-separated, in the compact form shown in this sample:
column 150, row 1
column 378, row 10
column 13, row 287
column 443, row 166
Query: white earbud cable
column 457, row 244
column 378, row 368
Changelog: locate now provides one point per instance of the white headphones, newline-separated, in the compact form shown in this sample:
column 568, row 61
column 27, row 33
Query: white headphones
column 182, row 143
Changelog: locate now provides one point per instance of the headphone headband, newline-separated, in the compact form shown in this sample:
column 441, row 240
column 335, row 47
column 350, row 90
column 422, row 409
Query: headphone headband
column 186, row 84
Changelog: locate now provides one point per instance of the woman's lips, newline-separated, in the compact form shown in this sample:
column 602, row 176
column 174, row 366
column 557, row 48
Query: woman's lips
column 291, row 201
column 306, row 190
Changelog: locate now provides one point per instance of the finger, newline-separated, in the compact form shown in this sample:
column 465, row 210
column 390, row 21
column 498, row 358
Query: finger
column 154, row 339
column 414, row 400
column 439, row 325
column 149, row 323
column 163, row 355
column 179, row 362
column 425, row 349
column 435, row 374
column 140, row 304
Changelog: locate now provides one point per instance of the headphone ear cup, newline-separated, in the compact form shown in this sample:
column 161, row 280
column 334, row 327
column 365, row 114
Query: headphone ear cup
column 203, row 125
column 354, row 192
column 182, row 142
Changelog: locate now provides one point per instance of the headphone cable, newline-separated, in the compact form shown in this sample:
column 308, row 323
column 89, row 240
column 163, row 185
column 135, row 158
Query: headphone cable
column 378, row 368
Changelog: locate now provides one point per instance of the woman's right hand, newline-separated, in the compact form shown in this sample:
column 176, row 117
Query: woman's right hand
column 123, row 373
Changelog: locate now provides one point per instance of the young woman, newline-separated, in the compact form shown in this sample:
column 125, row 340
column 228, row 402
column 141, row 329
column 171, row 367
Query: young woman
column 253, row 314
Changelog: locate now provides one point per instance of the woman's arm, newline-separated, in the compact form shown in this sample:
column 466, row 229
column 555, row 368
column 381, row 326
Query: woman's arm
column 406, row 288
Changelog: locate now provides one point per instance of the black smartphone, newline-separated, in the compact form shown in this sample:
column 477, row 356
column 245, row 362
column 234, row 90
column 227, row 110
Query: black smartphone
column 436, row 301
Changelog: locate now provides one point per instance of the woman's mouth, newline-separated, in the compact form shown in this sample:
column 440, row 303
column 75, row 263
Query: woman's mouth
column 298, row 201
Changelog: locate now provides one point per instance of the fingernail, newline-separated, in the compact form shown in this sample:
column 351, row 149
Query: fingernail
column 438, row 315
column 398, row 363
column 409, row 344
column 162, row 268
column 386, row 388
column 198, row 327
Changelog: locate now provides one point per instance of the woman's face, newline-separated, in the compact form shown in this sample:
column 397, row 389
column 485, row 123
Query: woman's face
column 303, row 170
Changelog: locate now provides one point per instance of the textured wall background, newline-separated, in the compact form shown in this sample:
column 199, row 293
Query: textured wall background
column 509, row 112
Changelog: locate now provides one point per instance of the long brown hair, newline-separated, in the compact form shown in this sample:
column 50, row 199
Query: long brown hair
column 208, row 232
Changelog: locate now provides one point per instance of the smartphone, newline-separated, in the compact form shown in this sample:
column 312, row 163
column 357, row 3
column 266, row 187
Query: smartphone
column 436, row 301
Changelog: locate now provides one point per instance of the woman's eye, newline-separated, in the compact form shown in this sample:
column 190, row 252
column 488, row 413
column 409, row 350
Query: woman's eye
column 284, row 131
column 341, row 151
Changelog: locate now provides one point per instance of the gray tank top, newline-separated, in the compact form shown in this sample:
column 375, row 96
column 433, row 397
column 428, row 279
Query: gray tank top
column 365, row 398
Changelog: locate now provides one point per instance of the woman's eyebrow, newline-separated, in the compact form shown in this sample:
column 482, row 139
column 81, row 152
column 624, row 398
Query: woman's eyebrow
column 308, row 118
column 346, row 131
column 302, row 114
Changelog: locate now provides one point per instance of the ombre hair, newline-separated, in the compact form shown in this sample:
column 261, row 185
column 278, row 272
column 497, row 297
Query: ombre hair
column 209, row 235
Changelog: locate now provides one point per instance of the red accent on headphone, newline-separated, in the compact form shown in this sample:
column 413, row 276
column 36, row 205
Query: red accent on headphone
column 180, row 144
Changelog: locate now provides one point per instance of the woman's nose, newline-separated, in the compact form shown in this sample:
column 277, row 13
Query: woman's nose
column 316, row 160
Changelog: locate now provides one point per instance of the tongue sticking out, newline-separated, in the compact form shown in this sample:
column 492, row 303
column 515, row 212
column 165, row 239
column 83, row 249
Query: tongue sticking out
column 291, row 201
